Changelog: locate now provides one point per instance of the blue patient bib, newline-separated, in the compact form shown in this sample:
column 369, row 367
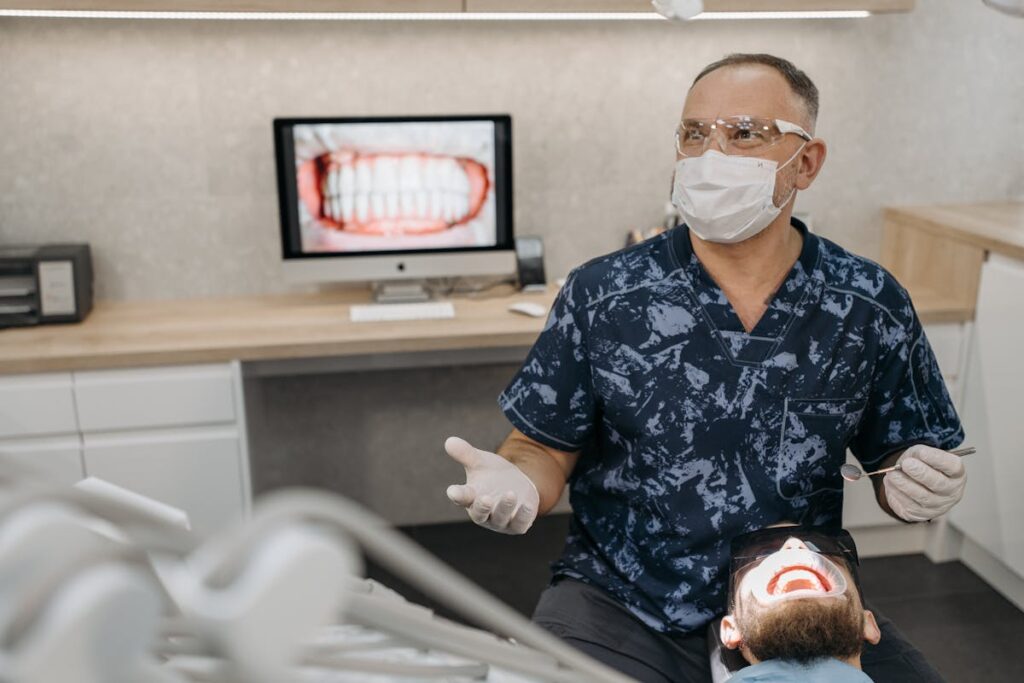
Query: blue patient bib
column 820, row 671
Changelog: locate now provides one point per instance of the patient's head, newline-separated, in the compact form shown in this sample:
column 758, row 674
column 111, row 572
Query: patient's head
column 794, row 595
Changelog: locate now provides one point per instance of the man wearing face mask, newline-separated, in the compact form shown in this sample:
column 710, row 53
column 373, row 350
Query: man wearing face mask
column 708, row 382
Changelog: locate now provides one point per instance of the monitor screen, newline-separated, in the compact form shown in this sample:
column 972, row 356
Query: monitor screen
column 365, row 186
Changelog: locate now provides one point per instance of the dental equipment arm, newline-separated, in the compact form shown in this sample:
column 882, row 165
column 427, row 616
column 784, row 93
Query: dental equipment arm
column 408, row 561
column 74, row 605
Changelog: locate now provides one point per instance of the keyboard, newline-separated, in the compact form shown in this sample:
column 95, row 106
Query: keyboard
column 430, row 310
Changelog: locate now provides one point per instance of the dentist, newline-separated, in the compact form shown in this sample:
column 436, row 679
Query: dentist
column 708, row 382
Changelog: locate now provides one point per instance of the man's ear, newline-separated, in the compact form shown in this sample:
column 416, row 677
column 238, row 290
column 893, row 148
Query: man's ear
column 872, row 633
column 729, row 633
column 812, row 158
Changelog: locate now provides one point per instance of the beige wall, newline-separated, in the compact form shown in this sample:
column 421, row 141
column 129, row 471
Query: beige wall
column 152, row 140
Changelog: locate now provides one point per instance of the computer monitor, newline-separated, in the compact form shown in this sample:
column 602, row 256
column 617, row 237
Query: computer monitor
column 395, row 198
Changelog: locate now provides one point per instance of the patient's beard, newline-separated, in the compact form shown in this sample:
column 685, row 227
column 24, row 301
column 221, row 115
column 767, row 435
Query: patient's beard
column 803, row 630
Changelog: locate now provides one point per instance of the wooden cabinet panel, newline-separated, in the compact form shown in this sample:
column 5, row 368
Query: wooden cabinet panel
column 450, row 5
column 241, row 5
column 32, row 405
column 197, row 470
column 110, row 400
column 709, row 5
column 559, row 6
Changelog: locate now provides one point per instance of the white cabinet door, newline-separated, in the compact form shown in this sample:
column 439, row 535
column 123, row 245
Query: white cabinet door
column 992, row 510
column 34, row 405
column 144, row 398
column 197, row 470
column 58, row 459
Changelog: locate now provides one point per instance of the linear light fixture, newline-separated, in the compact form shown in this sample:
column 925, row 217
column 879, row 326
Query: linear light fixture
column 422, row 16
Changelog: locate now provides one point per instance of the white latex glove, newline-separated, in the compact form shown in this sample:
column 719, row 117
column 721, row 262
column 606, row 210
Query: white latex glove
column 497, row 495
column 929, row 483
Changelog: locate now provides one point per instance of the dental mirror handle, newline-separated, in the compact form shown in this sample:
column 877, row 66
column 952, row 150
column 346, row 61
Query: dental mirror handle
column 960, row 451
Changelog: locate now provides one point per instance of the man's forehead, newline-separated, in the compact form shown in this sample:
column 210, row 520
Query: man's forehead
column 752, row 89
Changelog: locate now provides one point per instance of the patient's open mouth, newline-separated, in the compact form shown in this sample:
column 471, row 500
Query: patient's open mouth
column 798, row 577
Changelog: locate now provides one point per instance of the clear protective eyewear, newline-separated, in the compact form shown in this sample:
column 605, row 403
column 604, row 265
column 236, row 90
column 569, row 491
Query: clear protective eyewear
column 747, row 550
column 737, row 135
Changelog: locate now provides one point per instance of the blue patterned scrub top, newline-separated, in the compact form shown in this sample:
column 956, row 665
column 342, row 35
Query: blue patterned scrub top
column 693, row 431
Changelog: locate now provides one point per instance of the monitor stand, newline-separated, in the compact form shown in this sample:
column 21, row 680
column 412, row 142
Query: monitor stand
column 400, row 291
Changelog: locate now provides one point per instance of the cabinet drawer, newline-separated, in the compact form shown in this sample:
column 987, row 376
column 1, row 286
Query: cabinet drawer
column 114, row 400
column 196, row 470
column 34, row 405
column 947, row 342
column 59, row 460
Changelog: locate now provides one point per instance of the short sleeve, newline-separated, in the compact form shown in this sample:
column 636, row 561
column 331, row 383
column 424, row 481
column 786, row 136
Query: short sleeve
column 908, row 402
column 551, row 398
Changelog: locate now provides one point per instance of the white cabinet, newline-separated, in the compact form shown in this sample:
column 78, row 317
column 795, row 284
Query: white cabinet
column 176, row 434
column 948, row 342
column 38, row 427
column 57, row 458
column 155, row 397
column 992, row 511
column 34, row 405
column 198, row 470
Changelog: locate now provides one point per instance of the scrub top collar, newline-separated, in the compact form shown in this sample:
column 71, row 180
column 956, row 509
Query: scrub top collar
column 798, row 290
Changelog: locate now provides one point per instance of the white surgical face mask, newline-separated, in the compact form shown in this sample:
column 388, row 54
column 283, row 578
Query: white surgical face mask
column 727, row 198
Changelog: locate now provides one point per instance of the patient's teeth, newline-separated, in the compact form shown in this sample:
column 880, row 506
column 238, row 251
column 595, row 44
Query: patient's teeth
column 364, row 176
column 377, row 204
column 450, row 206
column 371, row 187
column 409, row 173
column 422, row 203
column 364, row 184
column 332, row 181
column 436, row 204
column 386, row 182
column 409, row 184
column 347, row 186
column 362, row 207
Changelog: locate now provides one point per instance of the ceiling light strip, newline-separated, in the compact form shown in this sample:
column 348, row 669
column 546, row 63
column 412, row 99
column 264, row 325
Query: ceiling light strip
column 417, row 16
column 821, row 14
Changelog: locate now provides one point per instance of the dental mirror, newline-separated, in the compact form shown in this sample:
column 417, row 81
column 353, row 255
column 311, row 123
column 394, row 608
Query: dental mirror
column 853, row 473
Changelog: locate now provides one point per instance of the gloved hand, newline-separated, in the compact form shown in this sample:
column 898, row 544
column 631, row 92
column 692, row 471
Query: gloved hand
column 929, row 483
column 497, row 495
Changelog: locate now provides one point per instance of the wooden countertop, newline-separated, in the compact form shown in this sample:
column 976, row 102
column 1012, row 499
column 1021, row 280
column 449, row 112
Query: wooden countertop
column 993, row 226
column 146, row 333
column 140, row 333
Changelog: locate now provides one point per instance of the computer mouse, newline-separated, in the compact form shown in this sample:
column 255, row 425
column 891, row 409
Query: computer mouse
column 534, row 310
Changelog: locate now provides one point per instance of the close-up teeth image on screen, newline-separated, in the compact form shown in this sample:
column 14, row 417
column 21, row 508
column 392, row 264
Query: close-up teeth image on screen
column 385, row 186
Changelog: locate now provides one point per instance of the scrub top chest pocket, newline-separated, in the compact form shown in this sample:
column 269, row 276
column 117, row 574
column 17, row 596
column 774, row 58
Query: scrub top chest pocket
column 815, row 433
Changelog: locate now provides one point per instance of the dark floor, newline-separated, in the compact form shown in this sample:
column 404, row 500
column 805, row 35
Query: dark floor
column 965, row 629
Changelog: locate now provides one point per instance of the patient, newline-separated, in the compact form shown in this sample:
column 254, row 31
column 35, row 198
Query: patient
column 795, row 607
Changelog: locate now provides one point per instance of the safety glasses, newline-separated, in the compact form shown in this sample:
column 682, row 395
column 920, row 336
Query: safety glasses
column 749, row 548
column 736, row 135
